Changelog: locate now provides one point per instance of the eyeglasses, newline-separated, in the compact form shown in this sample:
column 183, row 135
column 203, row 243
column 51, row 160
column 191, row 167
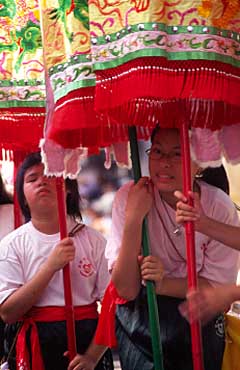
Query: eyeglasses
column 157, row 154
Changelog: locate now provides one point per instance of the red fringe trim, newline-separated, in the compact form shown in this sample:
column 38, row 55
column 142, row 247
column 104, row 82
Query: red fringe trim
column 197, row 114
column 147, row 89
column 21, row 128
column 144, row 92
column 76, row 124
column 94, row 138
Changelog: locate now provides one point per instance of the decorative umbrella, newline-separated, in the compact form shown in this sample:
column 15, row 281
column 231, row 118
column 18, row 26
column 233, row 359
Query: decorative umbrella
column 153, row 62
column 22, row 85
column 173, row 62
column 71, row 90
column 23, row 98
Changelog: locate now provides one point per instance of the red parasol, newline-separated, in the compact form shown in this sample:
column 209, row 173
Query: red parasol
column 22, row 85
column 23, row 101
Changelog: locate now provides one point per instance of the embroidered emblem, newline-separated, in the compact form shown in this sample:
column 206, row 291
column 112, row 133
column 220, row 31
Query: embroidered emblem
column 85, row 266
column 219, row 326
column 22, row 365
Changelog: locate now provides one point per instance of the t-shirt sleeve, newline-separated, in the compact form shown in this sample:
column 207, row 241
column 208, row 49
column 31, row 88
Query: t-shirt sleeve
column 118, row 219
column 103, row 276
column 220, row 261
column 11, row 271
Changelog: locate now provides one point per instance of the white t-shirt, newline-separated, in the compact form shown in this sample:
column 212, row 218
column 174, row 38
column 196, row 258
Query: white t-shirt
column 23, row 251
column 6, row 219
column 215, row 261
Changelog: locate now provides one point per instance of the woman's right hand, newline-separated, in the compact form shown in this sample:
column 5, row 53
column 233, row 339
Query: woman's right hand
column 62, row 254
column 206, row 303
column 140, row 199
column 81, row 362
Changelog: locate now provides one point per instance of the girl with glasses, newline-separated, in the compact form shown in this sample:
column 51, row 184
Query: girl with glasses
column 154, row 198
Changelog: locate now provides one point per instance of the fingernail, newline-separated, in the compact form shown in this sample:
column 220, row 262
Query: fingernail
column 182, row 310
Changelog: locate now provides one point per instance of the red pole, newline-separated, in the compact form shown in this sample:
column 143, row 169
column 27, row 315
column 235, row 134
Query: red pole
column 191, row 257
column 70, row 322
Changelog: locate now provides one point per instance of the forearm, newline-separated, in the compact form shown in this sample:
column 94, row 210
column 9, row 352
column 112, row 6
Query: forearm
column 95, row 352
column 177, row 287
column 126, row 272
column 26, row 296
column 226, row 234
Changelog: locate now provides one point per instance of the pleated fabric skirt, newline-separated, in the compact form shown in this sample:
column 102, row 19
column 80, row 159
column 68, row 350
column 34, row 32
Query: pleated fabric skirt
column 134, row 342
column 53, row 342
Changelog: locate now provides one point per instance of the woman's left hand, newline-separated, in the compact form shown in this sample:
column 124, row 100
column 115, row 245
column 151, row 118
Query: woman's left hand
column 151, row 268
column 186, row 212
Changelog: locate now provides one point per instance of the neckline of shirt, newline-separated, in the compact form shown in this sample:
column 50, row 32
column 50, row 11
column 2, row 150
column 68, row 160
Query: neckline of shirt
column 42, row 236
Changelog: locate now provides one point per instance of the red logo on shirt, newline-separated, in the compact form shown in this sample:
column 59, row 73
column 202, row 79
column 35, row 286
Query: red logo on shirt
column 204, row 246
column 85, row 266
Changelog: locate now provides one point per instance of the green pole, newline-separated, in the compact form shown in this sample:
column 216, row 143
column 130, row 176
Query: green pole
column 151, row 295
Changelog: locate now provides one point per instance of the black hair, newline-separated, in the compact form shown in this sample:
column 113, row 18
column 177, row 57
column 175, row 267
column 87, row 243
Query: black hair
column 5, row 197
column 72, row 199
column 216, row 177
column 213, row 176
column 154, row 132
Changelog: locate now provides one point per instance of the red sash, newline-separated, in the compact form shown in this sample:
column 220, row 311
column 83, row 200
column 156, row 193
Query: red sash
column 44, row 314
column 105, row 333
